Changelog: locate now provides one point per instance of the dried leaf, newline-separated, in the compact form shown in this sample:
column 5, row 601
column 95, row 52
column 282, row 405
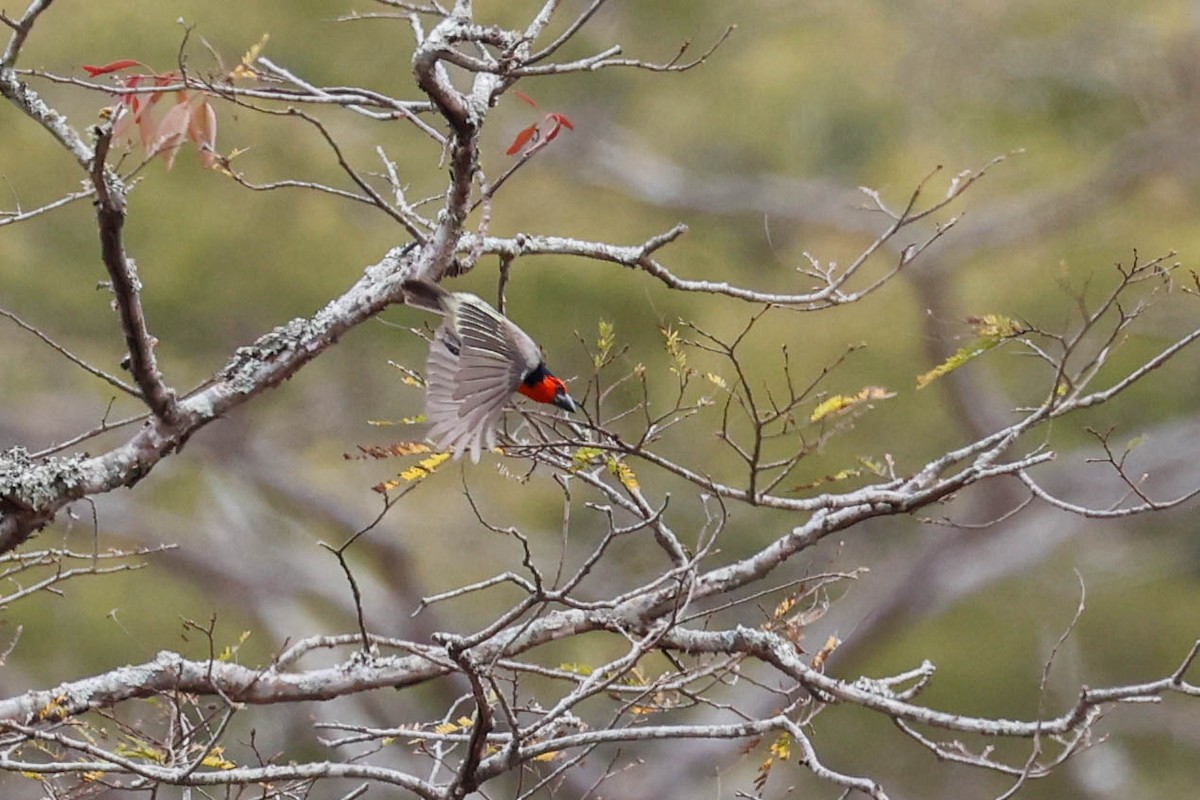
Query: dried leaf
column 202, row 130
column 996, row 326
column 831, row 644
column 54, row 709
column 387, row 451
column 386, row 486
column 171, row 131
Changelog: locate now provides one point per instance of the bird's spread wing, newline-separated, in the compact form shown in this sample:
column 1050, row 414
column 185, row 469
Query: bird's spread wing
column 485, row 332
column 476, row 361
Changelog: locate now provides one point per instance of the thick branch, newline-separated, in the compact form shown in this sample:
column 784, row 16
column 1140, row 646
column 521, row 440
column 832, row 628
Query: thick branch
column 267, row 363
column 126, row 286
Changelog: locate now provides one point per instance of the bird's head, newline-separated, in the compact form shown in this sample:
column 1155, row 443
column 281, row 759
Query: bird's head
column 543, row 387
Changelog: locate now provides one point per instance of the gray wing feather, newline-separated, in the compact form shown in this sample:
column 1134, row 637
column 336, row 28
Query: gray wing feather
column 476, row 361
column 483, row 330
column 466, row 392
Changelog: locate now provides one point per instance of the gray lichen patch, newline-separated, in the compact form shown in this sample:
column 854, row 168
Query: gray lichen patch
column 243, row 369
column 36, row 484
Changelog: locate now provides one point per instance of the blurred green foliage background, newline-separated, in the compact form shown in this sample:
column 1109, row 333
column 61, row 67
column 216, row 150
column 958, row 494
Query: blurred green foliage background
column 759, row 151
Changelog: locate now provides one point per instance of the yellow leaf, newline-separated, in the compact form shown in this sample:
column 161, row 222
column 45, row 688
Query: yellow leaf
column 577, row 669
column 604, row 344
column 716, row 380
column 831, row 644
column 636, row 678
column 465, row 722
column 996, row 326
column 553, row 754
column 675, row 350
column 841, row 475
column 624, row 474
column 992, row 329
column 215, row 759
column 873, row 466
column 781, row 748
column 246, row 68
column 54, row 709
column 445, row 727
column 829, row 406
column 840, row 402
column 94, row 775
column 960, row 357
column 386, row 486
column 425, row 468
column 583, row 456
column 141, row 750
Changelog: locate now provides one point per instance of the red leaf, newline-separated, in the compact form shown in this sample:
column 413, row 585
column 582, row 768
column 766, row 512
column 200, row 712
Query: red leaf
column 113, row 67
column 132, row 100
column 560, row 121
column 522, row 139
column 524, row 97
column 562, row 118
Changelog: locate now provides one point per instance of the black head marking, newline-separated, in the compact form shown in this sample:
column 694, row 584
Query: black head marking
column 536, row 375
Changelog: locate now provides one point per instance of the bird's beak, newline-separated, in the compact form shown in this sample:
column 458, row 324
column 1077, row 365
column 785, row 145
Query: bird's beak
column 564, row 401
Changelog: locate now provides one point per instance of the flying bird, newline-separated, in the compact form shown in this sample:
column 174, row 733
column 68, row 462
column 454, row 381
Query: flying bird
column 477, row 359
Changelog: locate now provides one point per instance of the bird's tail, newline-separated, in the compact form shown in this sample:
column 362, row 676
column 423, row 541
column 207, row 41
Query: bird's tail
column 426, row 295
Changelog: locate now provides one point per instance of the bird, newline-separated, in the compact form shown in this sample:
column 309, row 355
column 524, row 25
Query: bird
column 477, row 359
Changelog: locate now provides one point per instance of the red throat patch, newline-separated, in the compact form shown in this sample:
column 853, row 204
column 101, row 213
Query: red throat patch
column 544, row 390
